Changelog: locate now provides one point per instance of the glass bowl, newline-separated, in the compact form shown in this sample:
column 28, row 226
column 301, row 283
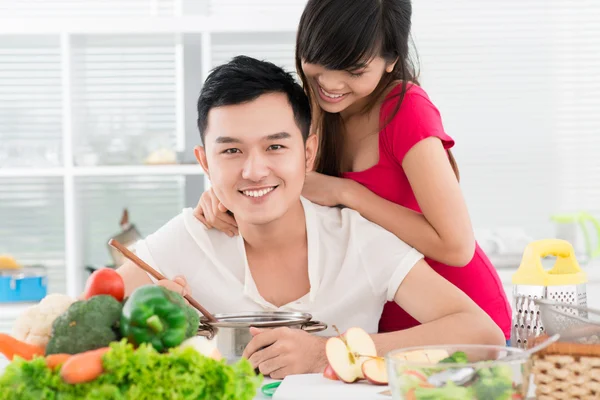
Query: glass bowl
column 458, row 372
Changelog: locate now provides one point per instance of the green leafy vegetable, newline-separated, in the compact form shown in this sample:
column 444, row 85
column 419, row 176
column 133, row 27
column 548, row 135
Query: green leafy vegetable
column 494, row 383
column 458, row 357
column 136, row 374
column 488, row 383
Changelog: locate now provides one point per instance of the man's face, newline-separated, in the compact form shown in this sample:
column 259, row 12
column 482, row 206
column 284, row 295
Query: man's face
column 255, row 157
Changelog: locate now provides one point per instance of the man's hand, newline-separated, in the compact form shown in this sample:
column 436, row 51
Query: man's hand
column 281, row 352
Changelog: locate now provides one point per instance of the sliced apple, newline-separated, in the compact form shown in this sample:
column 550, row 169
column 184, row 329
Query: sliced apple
column 348, row 352
column 361, row 345
column 375, row 371
column 329, row 373
column 342, row 362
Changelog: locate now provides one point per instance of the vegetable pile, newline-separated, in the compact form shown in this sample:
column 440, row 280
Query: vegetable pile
column 110, row 347
column 129, row 373
column 494, row 382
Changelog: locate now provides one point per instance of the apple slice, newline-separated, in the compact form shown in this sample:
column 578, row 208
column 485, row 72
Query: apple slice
column 329, row 373
column 343, row 363
column 361, row 345
column 375, row 371
column 348, row 352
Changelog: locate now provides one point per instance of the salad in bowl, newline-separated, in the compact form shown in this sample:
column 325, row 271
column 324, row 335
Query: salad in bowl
column 458, row 372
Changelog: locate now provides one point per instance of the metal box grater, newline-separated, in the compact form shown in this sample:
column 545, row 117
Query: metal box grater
column 564, row 283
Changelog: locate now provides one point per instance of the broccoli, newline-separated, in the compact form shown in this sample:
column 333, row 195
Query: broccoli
column 192, row 315
column 494, row 383
column 86, row 325
column 458, row 357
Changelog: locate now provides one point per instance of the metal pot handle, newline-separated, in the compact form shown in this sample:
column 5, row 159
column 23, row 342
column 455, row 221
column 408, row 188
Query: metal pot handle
column 206, row 331
column 314, row 326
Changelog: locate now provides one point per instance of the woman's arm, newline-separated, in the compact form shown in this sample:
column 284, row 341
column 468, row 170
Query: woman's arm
column 447, row 315
column 443, row 232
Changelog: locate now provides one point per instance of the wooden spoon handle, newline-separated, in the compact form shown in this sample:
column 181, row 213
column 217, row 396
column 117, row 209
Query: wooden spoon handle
column 157, row 275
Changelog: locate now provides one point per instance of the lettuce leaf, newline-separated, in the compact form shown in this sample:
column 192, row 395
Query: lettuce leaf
column 140, row 374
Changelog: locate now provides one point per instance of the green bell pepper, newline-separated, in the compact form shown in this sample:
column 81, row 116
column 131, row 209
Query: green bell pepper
column 153, row 314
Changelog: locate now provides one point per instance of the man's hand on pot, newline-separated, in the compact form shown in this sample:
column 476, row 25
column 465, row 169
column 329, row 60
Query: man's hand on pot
column 281, row 352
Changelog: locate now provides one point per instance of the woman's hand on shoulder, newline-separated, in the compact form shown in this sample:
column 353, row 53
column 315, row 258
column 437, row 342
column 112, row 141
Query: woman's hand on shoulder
column 213, row 214
column 326, row 190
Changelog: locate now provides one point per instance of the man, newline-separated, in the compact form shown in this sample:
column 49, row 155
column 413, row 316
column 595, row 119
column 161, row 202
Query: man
column 292, row 254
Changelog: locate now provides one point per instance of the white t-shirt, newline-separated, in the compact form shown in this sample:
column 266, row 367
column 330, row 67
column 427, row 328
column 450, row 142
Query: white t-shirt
column 354, row 267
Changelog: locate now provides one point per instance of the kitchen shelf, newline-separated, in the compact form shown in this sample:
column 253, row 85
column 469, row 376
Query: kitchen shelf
column 13, row 310
column 88, row 90
column 30, row 172
column 139, row 170
column 9, row 313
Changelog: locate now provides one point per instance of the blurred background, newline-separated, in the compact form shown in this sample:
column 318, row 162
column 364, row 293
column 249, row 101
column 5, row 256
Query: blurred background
column 97, row 116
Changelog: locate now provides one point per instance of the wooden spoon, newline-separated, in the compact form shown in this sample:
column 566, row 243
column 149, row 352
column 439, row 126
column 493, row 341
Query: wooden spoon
column 157, row 275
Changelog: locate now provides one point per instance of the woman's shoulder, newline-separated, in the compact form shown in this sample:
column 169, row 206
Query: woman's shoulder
column 415, row 98
column 414, row 119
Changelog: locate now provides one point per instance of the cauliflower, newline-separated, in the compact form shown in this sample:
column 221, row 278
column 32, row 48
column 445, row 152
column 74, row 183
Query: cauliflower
column 34, row 325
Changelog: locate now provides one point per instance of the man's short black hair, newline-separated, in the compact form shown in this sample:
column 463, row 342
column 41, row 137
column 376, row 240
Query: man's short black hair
column 244, row 79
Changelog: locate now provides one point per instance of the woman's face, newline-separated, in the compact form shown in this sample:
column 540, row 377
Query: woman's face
column 337, row 90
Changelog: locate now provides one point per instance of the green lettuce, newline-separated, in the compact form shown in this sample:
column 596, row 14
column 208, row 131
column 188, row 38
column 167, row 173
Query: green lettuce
column 140, row 374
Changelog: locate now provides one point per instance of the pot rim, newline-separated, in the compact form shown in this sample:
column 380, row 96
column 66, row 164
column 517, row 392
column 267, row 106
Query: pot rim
column 267, row 319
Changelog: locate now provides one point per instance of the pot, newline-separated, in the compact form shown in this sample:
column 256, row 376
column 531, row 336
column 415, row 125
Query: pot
column 26, row 284
column 232, row 331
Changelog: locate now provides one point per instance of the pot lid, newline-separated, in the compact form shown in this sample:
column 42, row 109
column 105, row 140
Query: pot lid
column 265, row 319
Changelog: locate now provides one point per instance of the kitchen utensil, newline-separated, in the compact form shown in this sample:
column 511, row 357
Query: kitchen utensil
column 574, row 323
column 497, row 373
column 128, row 236
column 564, row 282
column 233, row 330
column 574, row 229
column 270, row 388
column 462, row 376
column 25, row 284
column 140, row 263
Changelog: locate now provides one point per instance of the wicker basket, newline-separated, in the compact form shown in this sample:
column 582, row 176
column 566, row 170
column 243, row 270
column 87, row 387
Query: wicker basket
column 567, row 371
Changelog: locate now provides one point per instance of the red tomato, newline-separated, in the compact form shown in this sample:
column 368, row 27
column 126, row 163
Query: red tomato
column 105, row 281
column 329, row 373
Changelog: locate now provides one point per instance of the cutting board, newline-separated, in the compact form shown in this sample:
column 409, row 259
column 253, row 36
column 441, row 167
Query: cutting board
column 315, row 386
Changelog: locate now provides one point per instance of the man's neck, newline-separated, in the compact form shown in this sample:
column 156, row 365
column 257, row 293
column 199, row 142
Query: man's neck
column 281, row 234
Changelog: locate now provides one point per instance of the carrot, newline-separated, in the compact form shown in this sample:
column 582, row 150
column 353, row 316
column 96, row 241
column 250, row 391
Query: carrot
column 83, row 367
column 11, row 347
column 55, row 360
